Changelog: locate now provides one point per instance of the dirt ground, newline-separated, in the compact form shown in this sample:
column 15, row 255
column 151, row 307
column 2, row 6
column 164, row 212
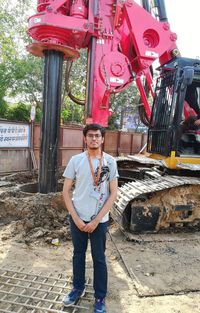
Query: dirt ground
column 153, row 273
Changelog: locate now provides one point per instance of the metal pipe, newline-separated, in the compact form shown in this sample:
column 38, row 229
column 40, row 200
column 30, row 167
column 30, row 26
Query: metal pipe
column 50, row 124
column 146, row 5
column 160, row 4
column 91, row 68
column 90, row 77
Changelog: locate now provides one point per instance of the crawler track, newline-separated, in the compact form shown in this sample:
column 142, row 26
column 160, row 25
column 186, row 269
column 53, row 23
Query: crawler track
column 156, row 202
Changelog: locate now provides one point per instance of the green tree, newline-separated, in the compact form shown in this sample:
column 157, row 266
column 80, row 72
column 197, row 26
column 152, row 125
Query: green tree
column 3, row 109
column 38, row 114
column 20, row 73
column 120, row 103
column 19, row 112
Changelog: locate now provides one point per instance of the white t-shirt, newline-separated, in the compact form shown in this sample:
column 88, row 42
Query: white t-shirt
column 88, row 199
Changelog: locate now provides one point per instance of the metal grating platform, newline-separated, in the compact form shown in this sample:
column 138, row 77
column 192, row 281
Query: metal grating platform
column 28, row 292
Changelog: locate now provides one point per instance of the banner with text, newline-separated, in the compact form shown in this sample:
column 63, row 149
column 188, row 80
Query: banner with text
column 13, row 135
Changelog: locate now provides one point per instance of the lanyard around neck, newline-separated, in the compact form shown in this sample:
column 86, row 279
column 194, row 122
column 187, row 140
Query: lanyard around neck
column 95, row 178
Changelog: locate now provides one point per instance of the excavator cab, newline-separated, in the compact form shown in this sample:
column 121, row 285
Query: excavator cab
column 173, row 134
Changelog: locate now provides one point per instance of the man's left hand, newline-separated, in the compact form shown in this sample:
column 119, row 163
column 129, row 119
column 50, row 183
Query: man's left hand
column 91, row 226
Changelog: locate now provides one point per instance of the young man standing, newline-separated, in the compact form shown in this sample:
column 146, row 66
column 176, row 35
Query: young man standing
column 95, row 174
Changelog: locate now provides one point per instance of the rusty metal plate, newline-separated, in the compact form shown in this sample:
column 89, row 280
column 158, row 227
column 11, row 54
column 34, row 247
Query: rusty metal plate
column 25, row 292
column 168, row 265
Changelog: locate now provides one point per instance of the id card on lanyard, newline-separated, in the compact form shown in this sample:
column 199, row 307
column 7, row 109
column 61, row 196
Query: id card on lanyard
column 95, row 192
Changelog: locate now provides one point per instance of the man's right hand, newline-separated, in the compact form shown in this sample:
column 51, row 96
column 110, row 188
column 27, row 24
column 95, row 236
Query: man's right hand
column 69, row 205
column 79, row 223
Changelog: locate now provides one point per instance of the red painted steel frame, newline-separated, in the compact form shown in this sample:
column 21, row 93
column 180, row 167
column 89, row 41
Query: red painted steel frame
column 127, row 41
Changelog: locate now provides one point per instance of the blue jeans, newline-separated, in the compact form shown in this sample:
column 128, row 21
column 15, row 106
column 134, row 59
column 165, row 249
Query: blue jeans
column 98, row 247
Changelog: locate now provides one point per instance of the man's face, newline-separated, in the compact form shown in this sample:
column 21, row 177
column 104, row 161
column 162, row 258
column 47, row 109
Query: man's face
column 94, row 139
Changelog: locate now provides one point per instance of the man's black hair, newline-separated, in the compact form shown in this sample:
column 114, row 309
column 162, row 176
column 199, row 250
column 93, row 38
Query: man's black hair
column 93, row 127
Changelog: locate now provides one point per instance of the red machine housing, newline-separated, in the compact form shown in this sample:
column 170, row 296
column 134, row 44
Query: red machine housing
column 122, row 38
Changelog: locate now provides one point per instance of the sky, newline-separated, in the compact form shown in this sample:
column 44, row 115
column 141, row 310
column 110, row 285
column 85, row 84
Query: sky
column 184, row 17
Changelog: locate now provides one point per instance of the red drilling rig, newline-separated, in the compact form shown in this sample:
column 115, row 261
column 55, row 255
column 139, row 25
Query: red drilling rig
column 123, row 40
